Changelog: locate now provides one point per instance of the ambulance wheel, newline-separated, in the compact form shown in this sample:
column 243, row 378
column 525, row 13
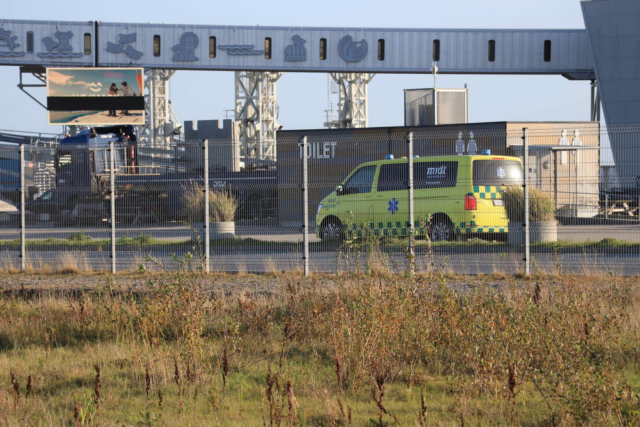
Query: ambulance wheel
column 331, row 228
column 441, row 229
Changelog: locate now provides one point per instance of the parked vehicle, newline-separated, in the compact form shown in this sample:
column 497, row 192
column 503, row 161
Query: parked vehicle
column 145, row 192
column 457, row 194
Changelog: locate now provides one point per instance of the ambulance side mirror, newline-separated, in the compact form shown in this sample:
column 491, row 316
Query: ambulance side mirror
column 339, row 190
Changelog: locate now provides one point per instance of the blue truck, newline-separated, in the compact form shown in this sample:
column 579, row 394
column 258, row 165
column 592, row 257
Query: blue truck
column 147, row 191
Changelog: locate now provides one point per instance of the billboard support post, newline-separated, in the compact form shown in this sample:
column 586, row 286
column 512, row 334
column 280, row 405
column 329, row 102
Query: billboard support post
column 410, row 196
column 527, row 259
column 23, row 243
column 305, row 202
column 207, row 237
column 112, row 205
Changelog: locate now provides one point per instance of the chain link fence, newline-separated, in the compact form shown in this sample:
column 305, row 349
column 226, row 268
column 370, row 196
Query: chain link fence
column 447, row 198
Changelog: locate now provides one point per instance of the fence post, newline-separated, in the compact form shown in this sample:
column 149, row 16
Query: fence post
column 112, row 203
column 175, row 158
column 305, row 203
column 411, row 213
column 207, row 237
column 527, row 259
column 23, row 242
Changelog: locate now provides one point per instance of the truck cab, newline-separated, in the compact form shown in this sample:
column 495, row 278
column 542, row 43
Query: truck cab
column 82, row 163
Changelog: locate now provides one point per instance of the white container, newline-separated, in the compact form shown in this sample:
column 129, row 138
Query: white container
column 544, row 232
column 539, row 232
column 217, row 230
column 222, row 230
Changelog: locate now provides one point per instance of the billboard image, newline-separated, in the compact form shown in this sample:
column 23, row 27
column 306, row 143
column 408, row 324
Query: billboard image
column 95, row 96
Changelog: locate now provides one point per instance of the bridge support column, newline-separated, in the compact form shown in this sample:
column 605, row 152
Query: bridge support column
column 161, row 121
column 595, row 102
column 257, row 111
column 353, row 104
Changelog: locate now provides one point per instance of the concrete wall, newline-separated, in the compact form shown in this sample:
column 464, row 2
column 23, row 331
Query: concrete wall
column 224, row 146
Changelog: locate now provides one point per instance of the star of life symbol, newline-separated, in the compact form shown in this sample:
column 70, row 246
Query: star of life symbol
column 393, row 206
column 501, row 172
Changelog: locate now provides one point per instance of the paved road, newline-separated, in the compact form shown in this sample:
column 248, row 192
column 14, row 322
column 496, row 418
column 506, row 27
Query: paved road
column 254, row 258
column 573, row 233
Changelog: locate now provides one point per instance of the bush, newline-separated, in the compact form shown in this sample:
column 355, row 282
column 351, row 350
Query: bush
column 222, row 204
column 79, row 236
column 540, row 205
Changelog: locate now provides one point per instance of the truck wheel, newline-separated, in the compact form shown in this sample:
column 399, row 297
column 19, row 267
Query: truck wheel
column 441, row 229
column 331, row 229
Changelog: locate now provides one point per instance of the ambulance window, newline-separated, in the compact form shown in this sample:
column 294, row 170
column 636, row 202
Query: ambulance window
column 360, row 181
column 497, row 172
column 393, row 177
column 435, row 175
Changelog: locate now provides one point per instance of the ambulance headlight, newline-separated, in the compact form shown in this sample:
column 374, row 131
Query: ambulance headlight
column 319, row 207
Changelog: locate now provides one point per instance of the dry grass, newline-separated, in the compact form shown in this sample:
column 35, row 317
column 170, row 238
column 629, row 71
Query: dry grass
column 222, row 204
column 541, row 206
column 371, row 349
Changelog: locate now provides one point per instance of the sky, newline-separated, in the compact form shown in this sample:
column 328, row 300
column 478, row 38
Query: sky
column 302, row 97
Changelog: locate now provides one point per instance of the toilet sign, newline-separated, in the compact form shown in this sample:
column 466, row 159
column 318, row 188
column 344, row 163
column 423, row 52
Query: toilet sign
column 460, row 145
column 320, row 150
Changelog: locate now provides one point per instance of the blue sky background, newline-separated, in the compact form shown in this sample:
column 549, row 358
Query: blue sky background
column 199, row 95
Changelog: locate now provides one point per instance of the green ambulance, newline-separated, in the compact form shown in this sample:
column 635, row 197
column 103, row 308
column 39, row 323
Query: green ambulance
column 453, row 196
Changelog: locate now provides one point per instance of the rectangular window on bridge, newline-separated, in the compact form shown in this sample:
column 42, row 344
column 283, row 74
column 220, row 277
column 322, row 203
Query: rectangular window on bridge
column 212, row 47
column 87, row 44
column 547, row 51
column 267, row 48
column 29, row 41
column 381, row 50
column 156, row 46
column 436, row 50
column 492, row 50
column 323, row 49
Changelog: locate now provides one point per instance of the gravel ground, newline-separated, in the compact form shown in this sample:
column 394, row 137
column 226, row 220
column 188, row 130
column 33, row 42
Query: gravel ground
column 223, row 284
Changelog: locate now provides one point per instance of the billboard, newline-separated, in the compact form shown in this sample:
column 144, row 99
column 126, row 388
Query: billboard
column 95, row 96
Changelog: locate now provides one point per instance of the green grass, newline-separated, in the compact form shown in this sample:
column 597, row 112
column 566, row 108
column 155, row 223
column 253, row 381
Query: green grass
column 144, row 240
column 81, row 239
column 606, row 243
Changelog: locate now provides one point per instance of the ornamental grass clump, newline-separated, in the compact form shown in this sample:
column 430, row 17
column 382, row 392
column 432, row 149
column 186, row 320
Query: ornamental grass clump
column 541, row 206
column 222, row 204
